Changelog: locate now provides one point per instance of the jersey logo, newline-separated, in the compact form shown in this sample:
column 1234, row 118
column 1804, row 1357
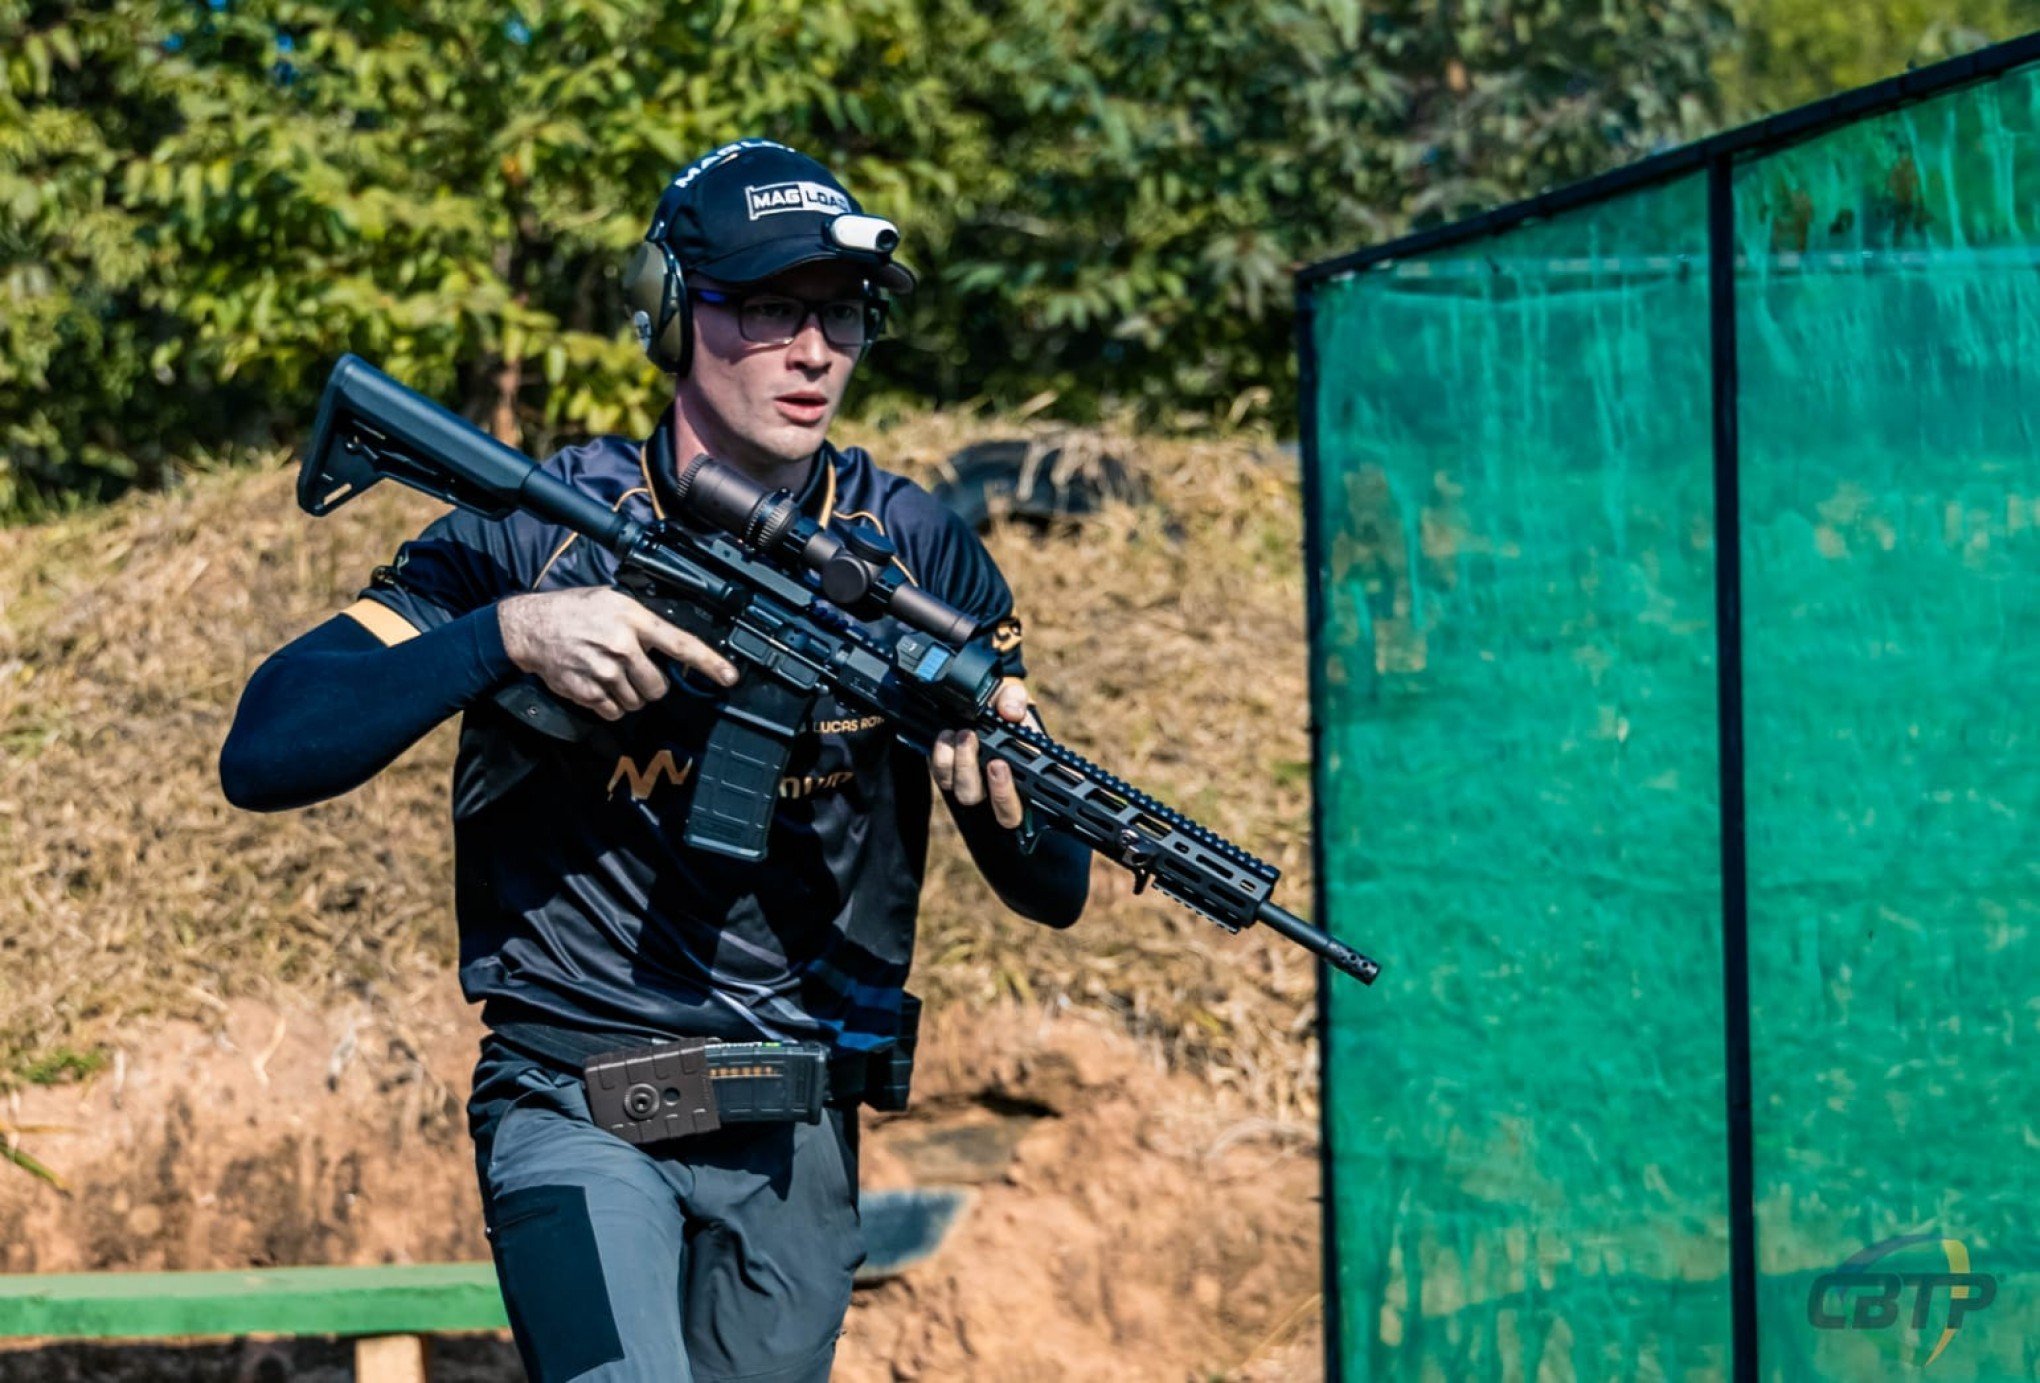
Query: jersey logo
column 643, row 780
column 776, row 197
column 664, row 767
column 1006, row 634
column 846, row 727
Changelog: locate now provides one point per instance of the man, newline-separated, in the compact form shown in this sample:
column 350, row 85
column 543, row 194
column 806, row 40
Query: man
column 585, row 924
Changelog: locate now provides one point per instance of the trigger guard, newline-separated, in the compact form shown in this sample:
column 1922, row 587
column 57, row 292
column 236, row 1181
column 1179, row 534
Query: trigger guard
column 691, row 681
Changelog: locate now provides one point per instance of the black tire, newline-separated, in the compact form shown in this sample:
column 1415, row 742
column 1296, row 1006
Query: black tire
column 981, row 485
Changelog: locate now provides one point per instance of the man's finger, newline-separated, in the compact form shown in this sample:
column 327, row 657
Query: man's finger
column 942, row 760
column 1007, row 805
column 616, row 686
column 970, row 784
column 645, row 678
column 683, row 648
column 585, row 691
column 1011, row 701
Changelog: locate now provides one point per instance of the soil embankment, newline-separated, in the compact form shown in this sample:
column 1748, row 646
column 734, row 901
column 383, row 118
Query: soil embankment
column 1125, row 1223
column 276, row 1051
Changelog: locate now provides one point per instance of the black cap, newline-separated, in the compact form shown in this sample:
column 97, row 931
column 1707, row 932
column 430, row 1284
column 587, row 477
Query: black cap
column 753, row 208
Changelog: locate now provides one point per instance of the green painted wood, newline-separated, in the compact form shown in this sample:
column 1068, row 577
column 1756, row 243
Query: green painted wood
column 397, row 1300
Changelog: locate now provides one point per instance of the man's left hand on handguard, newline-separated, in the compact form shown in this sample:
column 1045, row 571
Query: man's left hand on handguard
column 960, row 773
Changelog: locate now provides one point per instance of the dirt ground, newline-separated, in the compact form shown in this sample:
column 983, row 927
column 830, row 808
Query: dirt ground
column 1128, row 1222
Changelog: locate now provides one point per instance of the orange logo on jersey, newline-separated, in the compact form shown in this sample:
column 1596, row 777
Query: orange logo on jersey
column 665, row 767
column 642, row 781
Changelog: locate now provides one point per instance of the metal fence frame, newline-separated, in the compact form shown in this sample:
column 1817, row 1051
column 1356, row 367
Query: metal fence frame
column 1717, row 156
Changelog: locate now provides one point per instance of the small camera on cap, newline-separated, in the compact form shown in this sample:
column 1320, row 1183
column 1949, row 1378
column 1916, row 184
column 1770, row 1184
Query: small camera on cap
column 871, row 235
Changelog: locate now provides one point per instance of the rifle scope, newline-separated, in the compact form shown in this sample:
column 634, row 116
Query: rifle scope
column 857, row 572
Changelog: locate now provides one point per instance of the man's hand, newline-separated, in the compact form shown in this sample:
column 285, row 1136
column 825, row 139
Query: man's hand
column 955, row 761
column 593, row 646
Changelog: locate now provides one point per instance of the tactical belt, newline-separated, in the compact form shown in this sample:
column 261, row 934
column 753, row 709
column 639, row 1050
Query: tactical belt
column 649, row 1091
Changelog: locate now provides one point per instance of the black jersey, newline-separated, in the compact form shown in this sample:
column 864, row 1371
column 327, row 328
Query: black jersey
column 577, row 901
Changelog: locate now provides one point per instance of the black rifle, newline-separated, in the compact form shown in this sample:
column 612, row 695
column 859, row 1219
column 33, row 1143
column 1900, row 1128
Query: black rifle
column 774, row 593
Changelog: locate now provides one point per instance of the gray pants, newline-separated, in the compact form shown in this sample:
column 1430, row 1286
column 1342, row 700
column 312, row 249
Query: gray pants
column 719, row 1257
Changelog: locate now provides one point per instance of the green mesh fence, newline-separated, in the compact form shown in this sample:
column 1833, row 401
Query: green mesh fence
column 1512, row 510
column 1889, row 333
column 1518, row 800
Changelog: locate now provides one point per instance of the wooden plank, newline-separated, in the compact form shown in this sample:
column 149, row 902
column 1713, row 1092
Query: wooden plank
column 390, row 1359
column 400, row 1299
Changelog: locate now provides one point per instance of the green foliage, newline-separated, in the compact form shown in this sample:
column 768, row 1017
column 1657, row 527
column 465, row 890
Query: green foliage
column 1795, row 51
column 201, row 205
column 63, row 1066
column 1166, row 164
column 73, row 356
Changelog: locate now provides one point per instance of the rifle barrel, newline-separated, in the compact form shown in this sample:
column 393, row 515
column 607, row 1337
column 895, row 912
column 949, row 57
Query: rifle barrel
column 1336, row 952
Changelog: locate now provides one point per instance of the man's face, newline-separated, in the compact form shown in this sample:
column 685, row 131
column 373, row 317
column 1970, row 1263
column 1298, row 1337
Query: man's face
column 761, row 405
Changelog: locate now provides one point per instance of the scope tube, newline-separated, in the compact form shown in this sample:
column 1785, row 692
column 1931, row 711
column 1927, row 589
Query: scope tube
column 768, row 521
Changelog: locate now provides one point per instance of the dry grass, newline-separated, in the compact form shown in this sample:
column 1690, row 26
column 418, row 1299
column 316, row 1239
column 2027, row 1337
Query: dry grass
column 1166, row 642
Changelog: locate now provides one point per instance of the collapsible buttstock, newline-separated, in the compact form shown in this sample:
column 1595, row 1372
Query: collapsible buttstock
column 372, row 428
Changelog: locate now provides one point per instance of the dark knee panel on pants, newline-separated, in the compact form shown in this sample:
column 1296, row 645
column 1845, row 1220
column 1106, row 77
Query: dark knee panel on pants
column 552, row 1281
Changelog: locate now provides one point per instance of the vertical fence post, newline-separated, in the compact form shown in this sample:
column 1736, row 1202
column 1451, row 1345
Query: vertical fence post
column 1307, row 447
column 1735, row 949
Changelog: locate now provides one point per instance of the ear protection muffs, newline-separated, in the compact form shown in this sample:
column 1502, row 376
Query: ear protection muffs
column 876, row 308
column 655, row 289
column 656, row 292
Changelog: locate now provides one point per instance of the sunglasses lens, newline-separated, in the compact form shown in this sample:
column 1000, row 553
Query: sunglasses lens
column 774, row 321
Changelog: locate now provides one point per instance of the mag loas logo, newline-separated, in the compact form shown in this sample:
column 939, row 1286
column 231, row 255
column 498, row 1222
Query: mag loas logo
column 1868, row 1291
column 773, row 198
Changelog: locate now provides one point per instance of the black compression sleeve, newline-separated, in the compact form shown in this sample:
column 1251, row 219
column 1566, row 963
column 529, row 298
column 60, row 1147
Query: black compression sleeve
column 1051, row 885
column 330, row 710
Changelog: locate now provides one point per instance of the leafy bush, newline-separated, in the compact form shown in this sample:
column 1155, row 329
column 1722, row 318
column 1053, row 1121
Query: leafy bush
column 202, row 205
